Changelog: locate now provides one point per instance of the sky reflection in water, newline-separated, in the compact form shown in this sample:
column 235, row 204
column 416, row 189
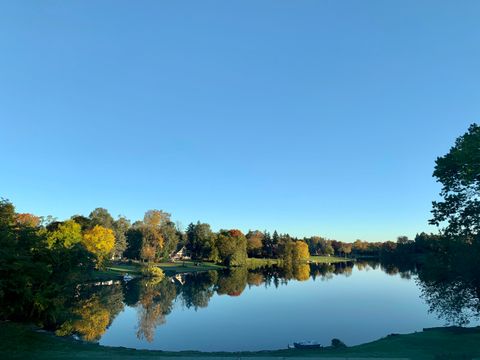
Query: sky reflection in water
column 363, row 306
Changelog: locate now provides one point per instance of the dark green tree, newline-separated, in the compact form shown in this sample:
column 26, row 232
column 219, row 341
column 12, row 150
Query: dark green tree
column 120, row 228
column 134, row 242
column 459, row 173
column 275, row 238
column 101, row 217
column 36, row 279
column 267, row 250
column 170, row 238
column 201, row 242
column 83, row 221
column 232, row 247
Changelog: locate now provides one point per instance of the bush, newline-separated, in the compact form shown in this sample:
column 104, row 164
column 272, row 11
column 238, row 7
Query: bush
column 337, row 343
column 152, row 271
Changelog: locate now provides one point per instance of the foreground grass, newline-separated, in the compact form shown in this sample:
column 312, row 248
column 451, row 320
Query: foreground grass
column 23, row 342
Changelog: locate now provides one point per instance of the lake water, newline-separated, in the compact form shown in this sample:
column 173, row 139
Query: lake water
column 261, row 309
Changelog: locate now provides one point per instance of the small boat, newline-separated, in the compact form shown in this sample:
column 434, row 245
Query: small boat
column 127, row 277
column 306, row 345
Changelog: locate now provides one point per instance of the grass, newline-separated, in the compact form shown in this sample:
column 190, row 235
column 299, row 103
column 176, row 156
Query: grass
column 188, row 266
column 124, row 269
column 116, row 271
column 328, row 259
column 24, row 342
column 254, row 263
column 171, row 268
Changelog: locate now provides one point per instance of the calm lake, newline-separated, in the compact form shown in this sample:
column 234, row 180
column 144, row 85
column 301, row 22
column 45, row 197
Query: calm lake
column 262, row 308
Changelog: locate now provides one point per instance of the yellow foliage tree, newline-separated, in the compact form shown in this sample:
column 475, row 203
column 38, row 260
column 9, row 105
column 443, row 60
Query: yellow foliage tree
column 301, row 251
column 99, row 241
column 66, row 235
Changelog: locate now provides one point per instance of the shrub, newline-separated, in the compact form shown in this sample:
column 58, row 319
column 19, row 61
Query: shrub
column 152, row 271
column 337, row 343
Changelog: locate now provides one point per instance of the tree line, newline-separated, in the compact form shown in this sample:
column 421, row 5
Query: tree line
column 39, row 256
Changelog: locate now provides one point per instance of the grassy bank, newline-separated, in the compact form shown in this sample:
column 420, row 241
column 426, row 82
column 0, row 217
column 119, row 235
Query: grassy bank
column 23, row 342
column 329, row 259
column 188, row 266
column 170, row 268
column 253, row 263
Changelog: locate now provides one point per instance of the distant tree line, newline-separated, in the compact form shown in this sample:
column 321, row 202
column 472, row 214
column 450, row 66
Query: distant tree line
column 232, row 247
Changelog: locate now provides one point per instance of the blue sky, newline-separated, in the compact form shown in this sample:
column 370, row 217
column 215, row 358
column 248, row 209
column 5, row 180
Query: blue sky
column 310, row 117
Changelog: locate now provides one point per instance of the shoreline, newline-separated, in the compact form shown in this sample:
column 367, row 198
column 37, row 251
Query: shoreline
column 28, row 341
column 115, row 271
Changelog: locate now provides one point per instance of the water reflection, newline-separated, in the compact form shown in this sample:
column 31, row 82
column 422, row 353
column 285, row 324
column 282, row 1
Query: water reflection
column 452, row 289
column 155, row 302
column 93, row 311
column 452, row 297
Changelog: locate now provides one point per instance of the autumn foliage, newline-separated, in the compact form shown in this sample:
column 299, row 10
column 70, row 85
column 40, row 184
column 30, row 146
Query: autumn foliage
column 27, row 219
column 99, row 241
column 235, row 233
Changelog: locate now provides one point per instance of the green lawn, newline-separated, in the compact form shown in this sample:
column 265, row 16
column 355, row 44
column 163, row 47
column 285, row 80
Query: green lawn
column 254, row 263
column 124, row 268
column 328, row 259
column 117, row 270
column 23, row 342
column 188, row 266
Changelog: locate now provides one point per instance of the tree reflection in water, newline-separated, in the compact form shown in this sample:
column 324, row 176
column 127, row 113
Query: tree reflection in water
column 93, row 312
column 156, row 299
column 451, row 286
column 451, row 292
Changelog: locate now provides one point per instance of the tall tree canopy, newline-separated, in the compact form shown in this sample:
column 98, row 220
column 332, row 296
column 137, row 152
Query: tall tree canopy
column 159, row 235
column 459, row 173
column 232, row 247
column 102, row 217
column 255, row 243
column 65, row 235
column 201, row 242
column 120, row 228
column 38, row 266
column 27, row 219
column 99, row 241
column 7, row 214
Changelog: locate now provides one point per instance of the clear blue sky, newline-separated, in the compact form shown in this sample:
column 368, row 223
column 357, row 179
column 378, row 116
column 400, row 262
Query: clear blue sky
column 310, row 117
